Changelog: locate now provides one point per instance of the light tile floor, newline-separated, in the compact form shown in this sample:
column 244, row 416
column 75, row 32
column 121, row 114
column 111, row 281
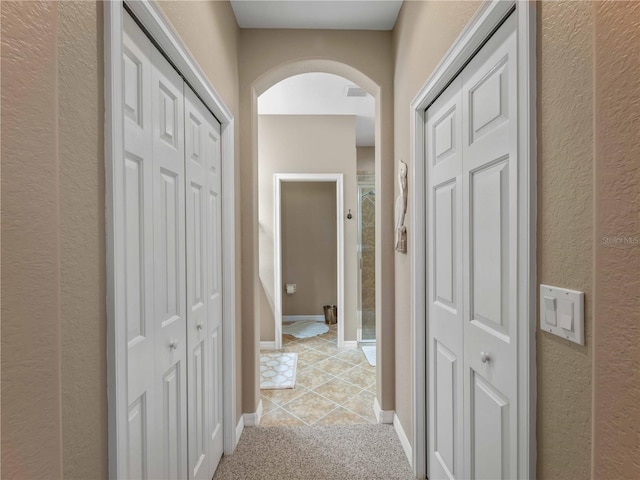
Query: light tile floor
column 333, row 386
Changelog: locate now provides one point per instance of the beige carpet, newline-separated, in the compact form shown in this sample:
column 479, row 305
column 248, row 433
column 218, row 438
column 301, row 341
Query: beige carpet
column 341, row 452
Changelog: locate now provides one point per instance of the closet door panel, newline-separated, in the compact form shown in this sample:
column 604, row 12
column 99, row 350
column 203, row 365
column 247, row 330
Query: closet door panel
column 136, row 190
column 214, row 291
column 197, row 286
column 169, row 267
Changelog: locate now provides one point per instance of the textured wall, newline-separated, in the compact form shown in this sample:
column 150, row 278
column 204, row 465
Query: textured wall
column 82, row 257
column 307, row 144
column 616, row 412
column 423, row 34
column 30, row 250
column 309, row 252
column 565, row 230
column 365, row 57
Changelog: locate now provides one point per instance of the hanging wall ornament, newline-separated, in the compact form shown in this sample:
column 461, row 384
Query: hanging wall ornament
column 401, row 209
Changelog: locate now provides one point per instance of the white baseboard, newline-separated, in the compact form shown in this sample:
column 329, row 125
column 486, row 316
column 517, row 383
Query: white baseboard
column 383, row 416
column 302, row 318
column 268, row 345
column 239, row 430
column 253, row 419
column 406, row 445
column 350, row 344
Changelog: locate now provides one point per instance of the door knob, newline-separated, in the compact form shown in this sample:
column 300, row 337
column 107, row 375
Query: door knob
column 173, row 344
column 200, row 325
column 484, row 356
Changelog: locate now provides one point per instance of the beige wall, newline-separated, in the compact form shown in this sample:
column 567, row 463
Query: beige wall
column 366, row 159
column 82, row 233
column 616, row 409
column 565, row 230
column 365, row 57
column 54, row 405
column 31, row 367
column 424, row 32
column 306, row 144
column 309, row 250
column 422, row 35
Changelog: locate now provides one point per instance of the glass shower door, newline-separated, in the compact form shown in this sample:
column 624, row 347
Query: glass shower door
column 367, row 254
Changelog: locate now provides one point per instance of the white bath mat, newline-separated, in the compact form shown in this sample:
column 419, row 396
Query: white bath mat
column 370, row 353
column 305, row 329
column 278, row 370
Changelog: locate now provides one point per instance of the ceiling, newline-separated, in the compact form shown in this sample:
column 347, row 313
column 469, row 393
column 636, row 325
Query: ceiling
column 321, row 94
column 317, row 14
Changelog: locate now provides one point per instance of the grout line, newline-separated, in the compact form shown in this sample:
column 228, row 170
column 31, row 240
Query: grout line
column 321, row 342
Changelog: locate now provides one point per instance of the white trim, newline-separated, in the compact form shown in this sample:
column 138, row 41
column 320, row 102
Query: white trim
column 404, row 441
column 382, row 416
column 165, row 36
column 278, row 179
column 267, row 345
column 253, row 419
column 116, row 332
column 239, row 430
column 527, row 303
column 479, row 28
column 349, row 344
column 303, row 318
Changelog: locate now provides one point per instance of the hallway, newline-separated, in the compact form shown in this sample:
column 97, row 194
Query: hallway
column 353, row 452
column 97, row 259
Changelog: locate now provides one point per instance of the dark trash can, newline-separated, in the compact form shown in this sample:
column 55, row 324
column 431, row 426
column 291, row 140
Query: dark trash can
column 330, row 314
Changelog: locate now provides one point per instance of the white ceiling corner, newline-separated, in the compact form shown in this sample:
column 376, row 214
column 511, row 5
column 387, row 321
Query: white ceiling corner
column 317, row 14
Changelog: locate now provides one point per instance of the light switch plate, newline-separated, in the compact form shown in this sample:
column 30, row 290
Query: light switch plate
column 568, row 317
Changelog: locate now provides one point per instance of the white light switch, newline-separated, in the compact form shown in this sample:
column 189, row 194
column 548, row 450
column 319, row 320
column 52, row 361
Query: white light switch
column 550, row 310
column 562, row 313
column 565, row 312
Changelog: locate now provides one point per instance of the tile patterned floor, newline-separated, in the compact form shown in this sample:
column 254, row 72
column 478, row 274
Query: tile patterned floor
column 333, row 386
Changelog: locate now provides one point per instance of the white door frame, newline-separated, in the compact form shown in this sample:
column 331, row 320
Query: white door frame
column 278, row 179
column 488, row 17
column 160, row 29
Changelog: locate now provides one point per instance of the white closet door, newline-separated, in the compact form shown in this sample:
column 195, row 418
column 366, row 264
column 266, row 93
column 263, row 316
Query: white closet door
column 203, row 288
column 136, row 222
column 473, row 288
column 214, row 287
column 154, row 257
column 170, row 227
column 169, row 268
column 444, row 139
column 490, row 213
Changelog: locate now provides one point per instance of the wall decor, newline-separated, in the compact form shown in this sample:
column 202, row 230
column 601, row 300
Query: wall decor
column 401, row 209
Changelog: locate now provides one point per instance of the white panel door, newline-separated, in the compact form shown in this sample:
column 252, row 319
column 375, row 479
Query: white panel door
column 444, row 139
column 170, row 189
column 490, row 206
column 204, row 330
column 136, row 222
column 169, row 268
column 213, row 150
column 473, row 242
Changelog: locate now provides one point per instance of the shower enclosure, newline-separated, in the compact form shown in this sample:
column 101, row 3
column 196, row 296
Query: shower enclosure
column 367, row 258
